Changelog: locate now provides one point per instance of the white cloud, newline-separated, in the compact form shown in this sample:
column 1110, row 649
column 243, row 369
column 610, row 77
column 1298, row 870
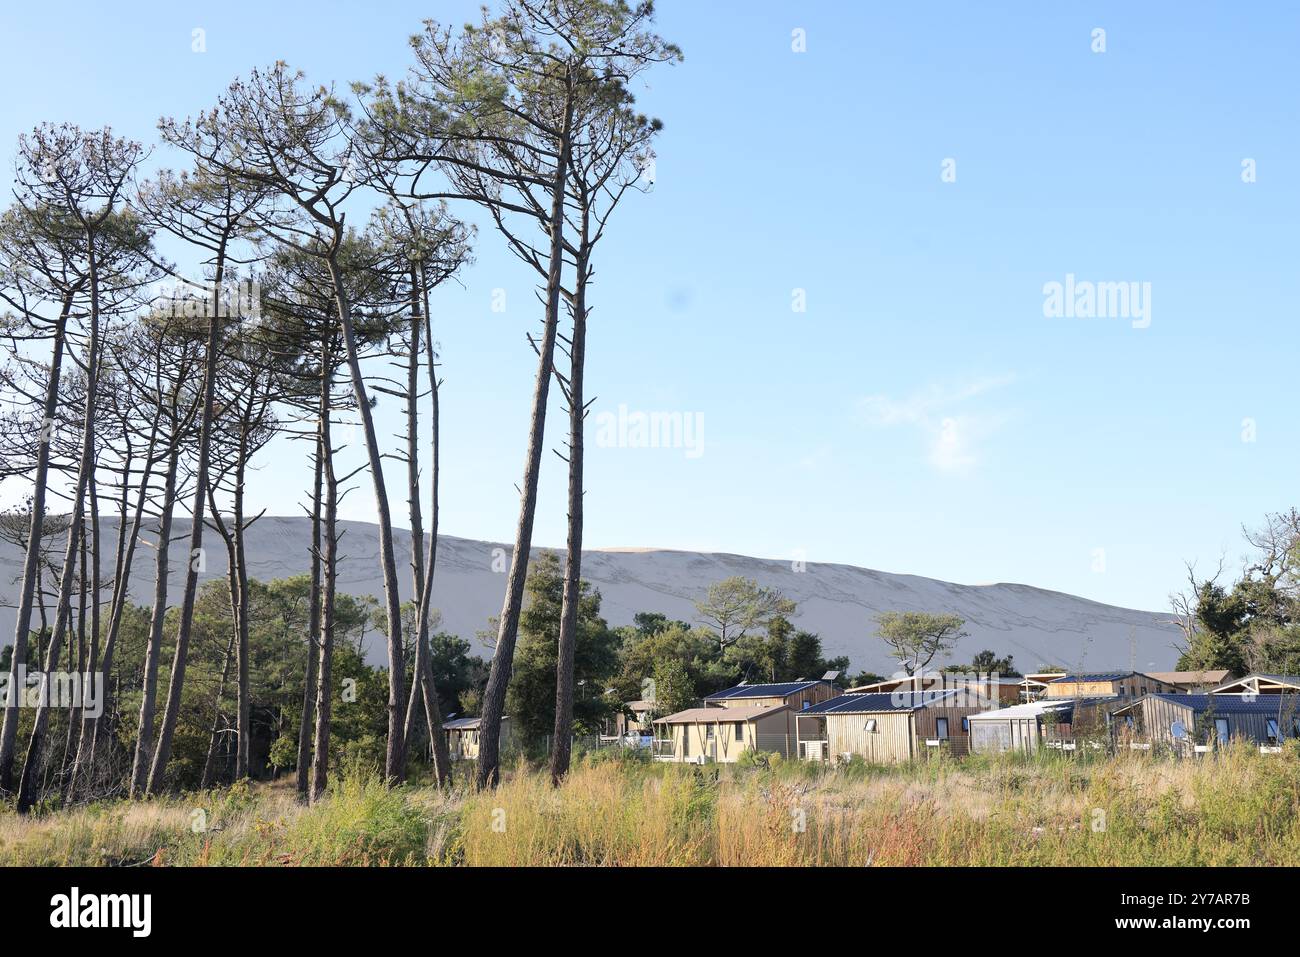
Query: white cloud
column 952, row 436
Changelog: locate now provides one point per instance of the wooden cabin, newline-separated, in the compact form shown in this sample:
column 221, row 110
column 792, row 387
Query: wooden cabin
column 463, row 737
column 888, row 728
column 1256, row 683
column 1018, row 728
column 1115, row 684
column 700, row 735
column 1186, row 720
column 1029, row 726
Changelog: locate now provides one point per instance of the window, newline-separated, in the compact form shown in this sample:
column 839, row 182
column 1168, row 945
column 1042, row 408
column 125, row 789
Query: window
column 1221, row 729
column 870, row 726
column 941, row 727
column 1272, row 729
column 806, row 704
column 1144, row 689
column 965, row 724
column 709, row 731
column 740, row 731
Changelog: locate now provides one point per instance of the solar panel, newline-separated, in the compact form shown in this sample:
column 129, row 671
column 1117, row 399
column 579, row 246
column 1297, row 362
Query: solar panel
column 776, row 690
column 1228, row 703
column 867, row 703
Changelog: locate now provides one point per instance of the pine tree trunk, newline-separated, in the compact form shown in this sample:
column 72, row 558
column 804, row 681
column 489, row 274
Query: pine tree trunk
column 243, row 725
column 313, row 629
column 210, row 762
column 85, row 475
column 393, row 769
column 32, row 559
column 162, row 753
column 568, row 641
column 83, row 769
column 153, row 650
column 494, row 698
column 324, row 688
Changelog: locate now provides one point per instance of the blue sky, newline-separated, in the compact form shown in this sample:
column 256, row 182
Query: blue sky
column 922, row 414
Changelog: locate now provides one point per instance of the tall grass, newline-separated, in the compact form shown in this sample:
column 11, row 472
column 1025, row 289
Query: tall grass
column 1236, row 807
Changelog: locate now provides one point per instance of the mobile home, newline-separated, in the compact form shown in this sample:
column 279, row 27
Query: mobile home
column 699, row 735
column 1186, row 720
column 888, row 728
column 463, row 737
column 1127, row 684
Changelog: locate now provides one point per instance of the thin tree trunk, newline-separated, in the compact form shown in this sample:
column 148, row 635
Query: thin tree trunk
column 324, row 689
column 393, row 764
column 153, row 650
column 303, row 777
column 432, row 711
column 69, row 740
column 162, row 752
column 568, row 641
column 32, row 560
column 423, row 686
column 26, row 786
column 418, row 576
column 210, row 762
column 243, row 705
column 83, row 769
column 494, row 698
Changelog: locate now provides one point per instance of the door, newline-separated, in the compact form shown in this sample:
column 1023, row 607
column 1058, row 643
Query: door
column 1221, row 729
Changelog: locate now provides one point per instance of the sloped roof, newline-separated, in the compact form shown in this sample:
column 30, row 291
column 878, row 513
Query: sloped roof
column 778, row 690
column 1288, row 680
column 1214, row 676
column 1031, row 710
column 1083, row 676
column 878, row 703
column 720, row 715
column 1225, row 703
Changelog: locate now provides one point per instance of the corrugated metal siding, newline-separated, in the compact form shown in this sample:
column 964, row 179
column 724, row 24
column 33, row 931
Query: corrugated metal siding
column 890, row 743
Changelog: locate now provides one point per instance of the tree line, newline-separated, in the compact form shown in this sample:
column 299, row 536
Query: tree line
column 304, row 313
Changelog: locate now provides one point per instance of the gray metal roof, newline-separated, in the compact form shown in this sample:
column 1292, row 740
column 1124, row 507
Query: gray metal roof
column 877, row 703
column 1228, row 703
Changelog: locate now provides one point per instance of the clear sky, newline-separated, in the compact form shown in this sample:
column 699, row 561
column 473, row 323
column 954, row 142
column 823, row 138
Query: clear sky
column 922, row 414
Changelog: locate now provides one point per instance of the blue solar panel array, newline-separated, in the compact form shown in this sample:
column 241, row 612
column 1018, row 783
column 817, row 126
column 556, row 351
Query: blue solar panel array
column 1231, row 703
column 893, row 701
column 779, row 690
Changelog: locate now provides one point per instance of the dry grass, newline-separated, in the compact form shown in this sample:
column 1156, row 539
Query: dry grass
column 1238, row 807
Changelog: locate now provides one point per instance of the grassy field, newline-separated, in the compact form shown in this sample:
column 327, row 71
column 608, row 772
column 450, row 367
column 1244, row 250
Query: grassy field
column 1234, row 808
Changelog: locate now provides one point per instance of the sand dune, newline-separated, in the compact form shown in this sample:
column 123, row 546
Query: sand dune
column 836, row 601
